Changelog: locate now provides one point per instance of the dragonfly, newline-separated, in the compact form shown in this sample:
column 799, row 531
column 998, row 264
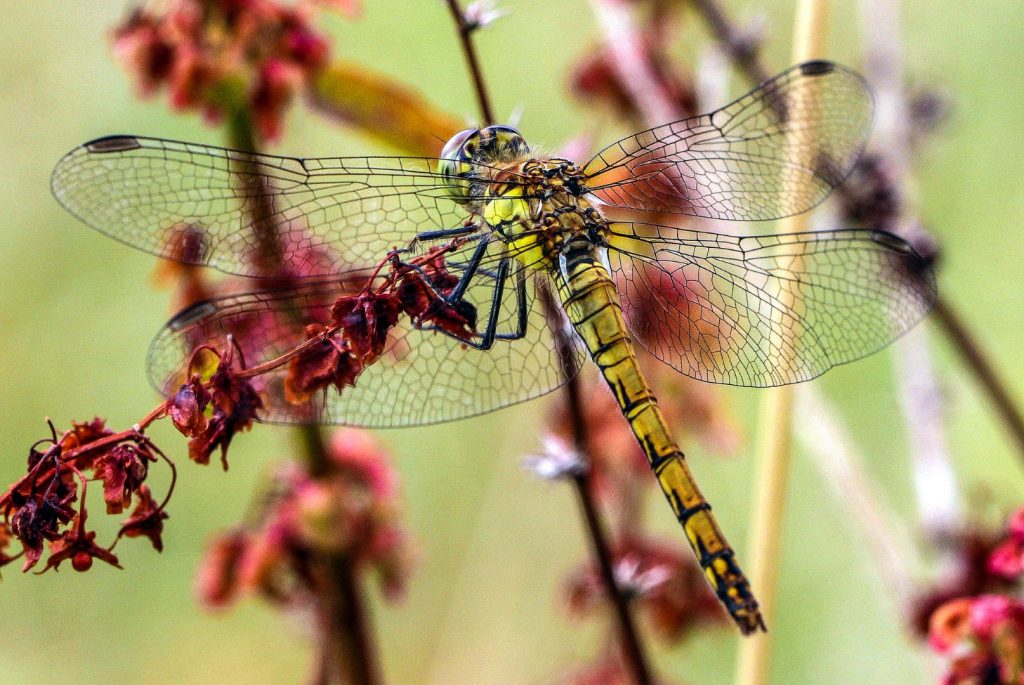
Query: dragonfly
column 513, row 228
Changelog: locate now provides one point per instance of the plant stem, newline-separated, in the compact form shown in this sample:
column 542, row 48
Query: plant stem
column 742, row 50
column 956, row 330
column 775, row 448
column 352, row 624
column 466, row 38
column 347, row 636
column 636, row 659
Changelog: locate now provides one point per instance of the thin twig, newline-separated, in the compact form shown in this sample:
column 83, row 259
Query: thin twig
column 353, row 622
column 741, row 49
column 635, row 657
column 466, row 30
column 972, row 354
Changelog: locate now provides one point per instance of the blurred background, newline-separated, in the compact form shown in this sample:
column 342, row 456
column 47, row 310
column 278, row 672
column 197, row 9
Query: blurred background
column 485, row 605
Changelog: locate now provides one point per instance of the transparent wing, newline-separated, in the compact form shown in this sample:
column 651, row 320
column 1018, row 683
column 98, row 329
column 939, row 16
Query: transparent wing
column 423, row 377
column 769, row 310
column 150, row 193
column 777, row 151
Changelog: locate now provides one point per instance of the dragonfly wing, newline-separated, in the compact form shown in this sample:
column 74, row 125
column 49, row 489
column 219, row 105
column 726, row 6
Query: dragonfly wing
column 777, row 151
column 423, row 377
column 766, row 310
column 211, row 206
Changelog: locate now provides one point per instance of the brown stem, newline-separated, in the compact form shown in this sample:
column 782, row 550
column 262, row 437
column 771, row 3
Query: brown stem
column 636, row 658
column 277, row 362
column 466, row 38
column 348, row 641
column 352, row 622
column 958, row 333
column 742, row 50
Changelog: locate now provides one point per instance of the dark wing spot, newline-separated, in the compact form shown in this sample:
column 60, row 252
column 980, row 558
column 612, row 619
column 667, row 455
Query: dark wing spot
column 816, row 67
column 191, row 314
column 893, row 242
column 113, row 144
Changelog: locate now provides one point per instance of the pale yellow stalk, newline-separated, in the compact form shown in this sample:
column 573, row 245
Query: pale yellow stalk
column 775, row 434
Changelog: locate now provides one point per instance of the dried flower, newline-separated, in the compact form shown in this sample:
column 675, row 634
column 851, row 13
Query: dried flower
column 49, row 504
column 236, row 405
column 871, row 197
column 217, row 580
column 122, row 470
column 80, row 546
column 147, row 520
column 187, row 408
column 983, row 630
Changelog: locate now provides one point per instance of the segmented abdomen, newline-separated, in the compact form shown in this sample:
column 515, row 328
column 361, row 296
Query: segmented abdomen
column 592, row 305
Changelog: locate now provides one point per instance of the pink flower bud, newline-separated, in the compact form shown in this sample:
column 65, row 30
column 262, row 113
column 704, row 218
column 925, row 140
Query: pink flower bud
column 1007, row 560
column 989, row 613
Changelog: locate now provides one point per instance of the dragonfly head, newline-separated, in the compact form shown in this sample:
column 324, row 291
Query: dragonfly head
column 468, row 149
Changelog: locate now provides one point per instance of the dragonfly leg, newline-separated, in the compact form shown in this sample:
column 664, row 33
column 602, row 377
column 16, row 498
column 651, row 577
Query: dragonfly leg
column 471, row 268
column 488, row 336
column 445, row 233
column 522, row 310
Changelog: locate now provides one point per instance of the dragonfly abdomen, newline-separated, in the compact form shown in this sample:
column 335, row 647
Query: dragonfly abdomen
column 592, row 305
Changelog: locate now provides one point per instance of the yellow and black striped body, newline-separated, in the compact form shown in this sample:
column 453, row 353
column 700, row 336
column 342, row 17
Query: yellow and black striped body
column 592, row 305
column 549, row 226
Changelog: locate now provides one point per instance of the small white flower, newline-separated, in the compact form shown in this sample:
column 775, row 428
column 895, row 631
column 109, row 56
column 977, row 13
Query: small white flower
column 556, row 460
column 481, row 13
column 639, row 583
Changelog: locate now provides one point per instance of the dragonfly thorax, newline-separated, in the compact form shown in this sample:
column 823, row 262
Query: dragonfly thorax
column 538, row 207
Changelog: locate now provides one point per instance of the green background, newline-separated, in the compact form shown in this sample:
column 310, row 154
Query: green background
column 77, row 312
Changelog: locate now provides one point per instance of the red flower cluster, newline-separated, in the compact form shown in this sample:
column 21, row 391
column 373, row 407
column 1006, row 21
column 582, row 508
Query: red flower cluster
column 357, row 334
column 350, row 512
column 984, row 634
column 666, row 585
column 221, row 55
column 48, row 504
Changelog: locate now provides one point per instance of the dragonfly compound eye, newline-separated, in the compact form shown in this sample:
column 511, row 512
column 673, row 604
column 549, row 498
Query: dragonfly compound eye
column 502, row 144
column 457, row 160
